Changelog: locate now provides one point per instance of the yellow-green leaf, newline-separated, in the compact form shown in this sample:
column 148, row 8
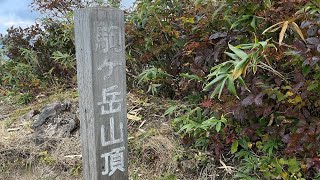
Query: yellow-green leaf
column 293, row 166
column 267, row 3
column 236, row 73
column 218, row 126
column 234, row 146
column 240, row 68
column 295, row 100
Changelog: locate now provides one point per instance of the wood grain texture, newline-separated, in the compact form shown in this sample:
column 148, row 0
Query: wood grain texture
column 100, row 52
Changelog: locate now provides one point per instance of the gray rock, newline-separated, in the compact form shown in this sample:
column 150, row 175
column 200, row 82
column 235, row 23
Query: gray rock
column 66, row 105
column 313, row 40
column 312, row 30
column 218, row 35
column 48, row 111
column 51, row 130
column 2, row 117
column 315, row 59
column 69, row 127
column 29, row 115
column 305, row 24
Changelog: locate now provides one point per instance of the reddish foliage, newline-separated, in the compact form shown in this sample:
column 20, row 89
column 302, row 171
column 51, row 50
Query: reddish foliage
column 207, row 103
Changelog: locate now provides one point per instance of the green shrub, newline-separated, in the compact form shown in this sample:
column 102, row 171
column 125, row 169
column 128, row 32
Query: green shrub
column 274, row 83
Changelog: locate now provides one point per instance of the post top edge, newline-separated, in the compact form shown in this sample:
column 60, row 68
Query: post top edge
column 99, row 8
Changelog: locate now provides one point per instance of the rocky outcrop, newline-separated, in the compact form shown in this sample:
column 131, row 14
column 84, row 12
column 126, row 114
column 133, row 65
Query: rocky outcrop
column 58, row 119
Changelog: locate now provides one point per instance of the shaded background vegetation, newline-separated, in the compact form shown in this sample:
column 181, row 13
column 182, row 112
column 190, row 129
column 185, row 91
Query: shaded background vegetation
column 247, row 70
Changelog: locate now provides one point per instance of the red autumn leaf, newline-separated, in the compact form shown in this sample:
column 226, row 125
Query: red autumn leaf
column 206, row 103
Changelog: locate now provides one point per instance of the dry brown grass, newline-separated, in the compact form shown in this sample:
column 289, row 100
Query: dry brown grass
column 161, row 150
column 151, row 143
column 152, row 157
column 40, row 172
column 153, row 146
column 23, row 157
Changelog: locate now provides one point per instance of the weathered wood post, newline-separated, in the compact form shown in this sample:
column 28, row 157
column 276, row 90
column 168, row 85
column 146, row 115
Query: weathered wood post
column 100, row 52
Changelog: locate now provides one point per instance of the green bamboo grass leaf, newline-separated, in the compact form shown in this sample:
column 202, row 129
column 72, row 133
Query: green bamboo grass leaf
column 263, row 44
column 187, row 128
column 218, row 78
column 210, row 122
column 216, row 90
column 243, row 55
column 199, row 115
column 170, row 110
column 241, row 81
column 237, row 23
column 220, row 66
column 254, row 68
column 233, row 56
column 253, row 23
column 222, row 6
column 230, row 86
column 312, row 86
column 245, row 46
column 218, row 126
column 293, row 166
column 222, row 86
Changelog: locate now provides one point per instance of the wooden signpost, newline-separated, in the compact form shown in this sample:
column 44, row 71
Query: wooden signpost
column 100, row 52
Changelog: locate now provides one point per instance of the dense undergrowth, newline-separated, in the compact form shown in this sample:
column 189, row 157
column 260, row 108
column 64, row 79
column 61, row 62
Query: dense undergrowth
column 247, row 70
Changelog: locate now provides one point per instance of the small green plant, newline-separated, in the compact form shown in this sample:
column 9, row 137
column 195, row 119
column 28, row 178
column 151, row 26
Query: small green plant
column 76, row 170
column 154, row 78
column 24, row 98
column 168, row 177
column 46, row 158
column 254, row 166
column 194, row 122
column 205, row 125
